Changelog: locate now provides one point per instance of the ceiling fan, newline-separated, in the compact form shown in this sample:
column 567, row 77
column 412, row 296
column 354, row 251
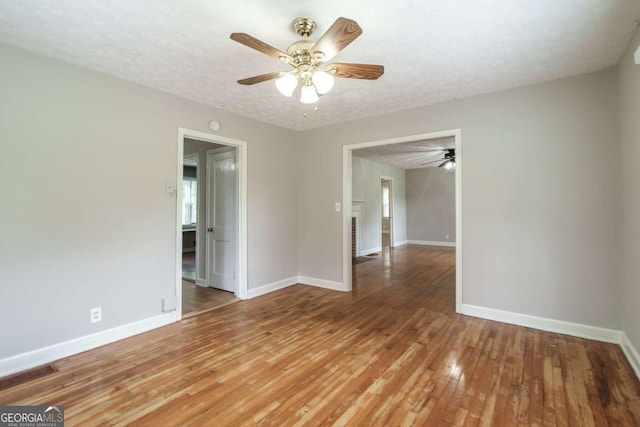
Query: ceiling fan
column 448, row 161
column 309, row 58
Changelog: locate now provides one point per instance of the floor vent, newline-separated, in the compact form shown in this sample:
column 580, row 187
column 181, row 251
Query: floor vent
column 26, row 376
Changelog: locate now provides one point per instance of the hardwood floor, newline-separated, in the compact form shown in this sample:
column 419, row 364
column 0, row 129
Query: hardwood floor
column 391, row 353
column 189, row 266
column 197, row 299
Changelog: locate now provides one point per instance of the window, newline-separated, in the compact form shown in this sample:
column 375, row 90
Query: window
column 189, row 201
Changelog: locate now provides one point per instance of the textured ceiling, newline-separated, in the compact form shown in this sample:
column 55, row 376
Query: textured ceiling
column 409, row 155
column 432, row 51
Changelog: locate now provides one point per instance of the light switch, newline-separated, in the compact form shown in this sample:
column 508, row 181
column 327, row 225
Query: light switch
column 337, row 206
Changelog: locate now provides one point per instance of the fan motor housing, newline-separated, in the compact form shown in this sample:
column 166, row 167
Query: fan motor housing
column 304, row 26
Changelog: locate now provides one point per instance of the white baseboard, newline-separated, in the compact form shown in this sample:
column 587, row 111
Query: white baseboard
column 41, row 356
column 321, row 283
column 184, row 250
column 271, row 287
column 544, row 324
column 632, row 354
column 202, row 282
column 400, row 243
column 365, row 252
column 27, row 360
column 431, row 243
column 561, row 327
column 281, row 284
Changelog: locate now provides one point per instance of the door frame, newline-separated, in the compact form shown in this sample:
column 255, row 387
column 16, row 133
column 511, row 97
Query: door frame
column 347, row 153
column 391, row 236
column 241, row 249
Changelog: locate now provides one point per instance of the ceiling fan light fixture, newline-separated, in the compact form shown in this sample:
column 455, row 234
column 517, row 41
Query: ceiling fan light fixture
column 287, row 84
column 306, row 56
column 323, row 81
column 308, row 94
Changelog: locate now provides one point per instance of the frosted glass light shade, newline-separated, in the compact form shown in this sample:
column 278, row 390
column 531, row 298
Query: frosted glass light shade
column 323, row 81
column 287, row 84
column 308, row 94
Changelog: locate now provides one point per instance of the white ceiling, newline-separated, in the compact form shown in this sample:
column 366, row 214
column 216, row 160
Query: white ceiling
column 408, row 155
column 433, row 51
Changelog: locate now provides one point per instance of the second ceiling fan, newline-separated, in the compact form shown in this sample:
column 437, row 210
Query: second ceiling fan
column 309, row 59
column 448, row 161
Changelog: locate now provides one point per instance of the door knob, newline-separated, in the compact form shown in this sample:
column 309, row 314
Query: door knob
column 210, row 229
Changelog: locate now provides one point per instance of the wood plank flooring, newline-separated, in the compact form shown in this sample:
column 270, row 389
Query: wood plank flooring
column 391, row 353
column 197, row 299
column 189, row 266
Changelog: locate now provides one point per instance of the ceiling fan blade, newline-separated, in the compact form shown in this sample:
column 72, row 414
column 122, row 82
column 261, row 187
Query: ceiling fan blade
column 261, row 78
column 260, row 46
column 356, row 71
column 337, row 37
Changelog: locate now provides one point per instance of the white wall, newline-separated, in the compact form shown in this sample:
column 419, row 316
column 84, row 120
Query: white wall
column 629, row 75
column 85, row 219
column 431, row 205
column 83, row 227
column 540, row 234
column 366, row 187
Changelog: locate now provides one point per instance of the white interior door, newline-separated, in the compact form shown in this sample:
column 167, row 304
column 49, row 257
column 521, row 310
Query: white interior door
column 221, row 220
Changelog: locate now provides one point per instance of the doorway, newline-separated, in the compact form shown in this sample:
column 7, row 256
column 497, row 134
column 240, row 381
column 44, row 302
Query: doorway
column 211, row 226
column 189, row 188
column 386, row 213
column 349, row 202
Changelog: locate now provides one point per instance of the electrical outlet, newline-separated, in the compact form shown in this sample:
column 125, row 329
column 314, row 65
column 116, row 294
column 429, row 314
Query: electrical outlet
column 337, row 206
column 96, row 315
column 446, row 237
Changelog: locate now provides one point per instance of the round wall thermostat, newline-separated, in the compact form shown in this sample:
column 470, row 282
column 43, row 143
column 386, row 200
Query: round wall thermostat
column 214, row 125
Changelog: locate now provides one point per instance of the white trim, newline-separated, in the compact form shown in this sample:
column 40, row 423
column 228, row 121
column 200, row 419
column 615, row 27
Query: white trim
column 544, row 324
column 431, row 243
column 322, row 283
column 304, row 280
column 242, row 208
column 41, row 356
column 347, row 203
column 632, row 354
column 457, row 133
column 347, row 153
column 272, row 287
column 202, row 282
column 191, row 249
column 401, row 243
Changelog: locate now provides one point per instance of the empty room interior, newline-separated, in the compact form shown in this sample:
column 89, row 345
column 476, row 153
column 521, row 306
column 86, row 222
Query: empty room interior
column 346, row 213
